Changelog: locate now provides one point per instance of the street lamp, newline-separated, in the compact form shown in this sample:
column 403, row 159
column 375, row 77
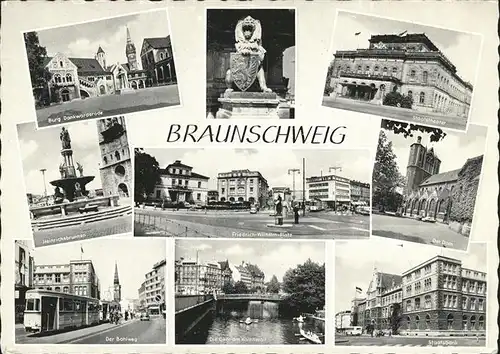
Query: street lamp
column 292, row 171
column 44, row 183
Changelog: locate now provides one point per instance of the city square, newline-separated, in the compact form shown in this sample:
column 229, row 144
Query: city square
column 55, row 284
column 179, row 201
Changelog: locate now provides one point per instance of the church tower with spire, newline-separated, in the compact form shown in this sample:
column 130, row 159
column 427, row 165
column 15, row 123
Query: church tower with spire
column 130, row 52
column 117, row 287
column 101, row 57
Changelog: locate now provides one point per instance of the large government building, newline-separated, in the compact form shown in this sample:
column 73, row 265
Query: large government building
column 410, row 64
column 447, row 196
column 180, row 184
column 242, row 186
column 437, row 297
column 78, row 78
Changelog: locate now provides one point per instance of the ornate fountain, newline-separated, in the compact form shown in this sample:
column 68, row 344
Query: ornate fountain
column 73, row 186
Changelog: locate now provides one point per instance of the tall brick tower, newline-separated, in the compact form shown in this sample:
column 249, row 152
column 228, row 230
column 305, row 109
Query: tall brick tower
column 130, row 52
column 422, row 164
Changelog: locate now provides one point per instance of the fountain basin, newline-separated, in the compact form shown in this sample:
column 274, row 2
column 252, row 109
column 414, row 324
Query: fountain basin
column 64, row 209
column 68, row 185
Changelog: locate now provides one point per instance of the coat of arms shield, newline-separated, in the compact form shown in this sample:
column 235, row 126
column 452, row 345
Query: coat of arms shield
column 244, row 69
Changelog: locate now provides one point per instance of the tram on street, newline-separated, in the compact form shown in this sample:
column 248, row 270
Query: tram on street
column 48, row 310
column 104, row 311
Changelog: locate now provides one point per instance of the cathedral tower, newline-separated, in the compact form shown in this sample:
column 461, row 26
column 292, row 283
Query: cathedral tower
column 422, row 164
column 101, row 57
column 116, row 285
column 130, row 52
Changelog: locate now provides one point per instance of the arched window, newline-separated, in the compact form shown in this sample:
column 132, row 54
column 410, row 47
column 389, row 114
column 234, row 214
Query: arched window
column 69, row 78
column 425, row 76
column 481, row 322
column 464, row 322
column 408, row 321
column 408, row 305
column 162, row 56
column 394, row 71
column 61, row 64
column 473, row 322
column 428, row 302
column 417, row 303
column 359, row 69
column 376, row 70
column 410, row 93
column 417, row 320
column 413, row 73
column 384, row 71
column 422, row 97
column 57, row 78
column 105, row 159
column 428, row 321
column 347, row 68
column 367, row 70
column 65, row 289
column 117, row 155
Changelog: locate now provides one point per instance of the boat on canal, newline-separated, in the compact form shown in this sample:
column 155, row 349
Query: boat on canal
column 310, row 336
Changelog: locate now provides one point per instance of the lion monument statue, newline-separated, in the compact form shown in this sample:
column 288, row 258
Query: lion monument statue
column 246, row 65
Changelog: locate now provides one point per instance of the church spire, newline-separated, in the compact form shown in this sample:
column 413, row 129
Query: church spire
column 130, row 52
column 129, row 39
column 116, row 279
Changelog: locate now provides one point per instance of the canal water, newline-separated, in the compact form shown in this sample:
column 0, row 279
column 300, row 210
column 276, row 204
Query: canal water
column 225, row 326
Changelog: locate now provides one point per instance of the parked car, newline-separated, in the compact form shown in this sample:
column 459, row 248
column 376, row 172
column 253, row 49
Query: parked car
column 253, row 210
column 364, row 210
column 144, row 316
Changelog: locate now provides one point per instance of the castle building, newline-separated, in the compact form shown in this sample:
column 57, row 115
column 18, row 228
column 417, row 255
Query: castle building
column 117, row 288
column 116, row 164
column 79, row 78
column 242, row 186
column 77, row 277
column 447, row 196
column 436, row 297
column 409, row 63
column 178, row 183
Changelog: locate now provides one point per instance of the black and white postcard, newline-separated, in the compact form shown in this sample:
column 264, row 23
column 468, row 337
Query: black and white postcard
column 419, row 296
column 265, row 193
column 402, row 70
column 425, row 183
column 237, row 294
column 251, row 63
column 102, row 68
column 106, row 291
column 78, row 180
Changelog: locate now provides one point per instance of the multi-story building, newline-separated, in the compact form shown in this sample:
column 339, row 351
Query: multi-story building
column 77, row 277
column 447, row 196
column 157, row 60
column 360, row 192
column 24, row 268
column 142, row 296
column 343, row 319
column 116, row 165
column 154, row 288
column 178, row 183
column 410, row 64
column 194, row 277
column 227, row 274
column 437, row 297
column 242, row 186
column 213, row 196
column 334, row 191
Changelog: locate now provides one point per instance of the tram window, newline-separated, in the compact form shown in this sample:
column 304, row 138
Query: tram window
column 68, row 305
column 33, row 305
column 77, row 306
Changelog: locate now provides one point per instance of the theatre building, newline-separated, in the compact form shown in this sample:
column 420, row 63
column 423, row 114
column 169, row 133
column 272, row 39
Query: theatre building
column 180, row 184
column 410, row 64
column 437, row 297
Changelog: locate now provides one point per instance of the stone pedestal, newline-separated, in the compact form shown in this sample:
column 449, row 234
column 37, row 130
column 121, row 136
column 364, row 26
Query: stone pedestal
column 248, row 105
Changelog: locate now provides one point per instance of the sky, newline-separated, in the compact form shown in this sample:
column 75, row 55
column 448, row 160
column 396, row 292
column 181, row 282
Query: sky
column 461, row 48
column 83, row 40
column 268, row 255
column 453, row 150
column 273, row 164
column 42, row 149
column 355, row 261
column 134, row 257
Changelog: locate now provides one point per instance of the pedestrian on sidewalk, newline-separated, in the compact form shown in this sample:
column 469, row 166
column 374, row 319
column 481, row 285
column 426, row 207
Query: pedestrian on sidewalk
column 296, row 213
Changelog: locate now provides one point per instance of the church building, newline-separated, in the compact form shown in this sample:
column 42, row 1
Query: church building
column 447, row 197
column 80, row 78
column 117, row 288
column 116, row 165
